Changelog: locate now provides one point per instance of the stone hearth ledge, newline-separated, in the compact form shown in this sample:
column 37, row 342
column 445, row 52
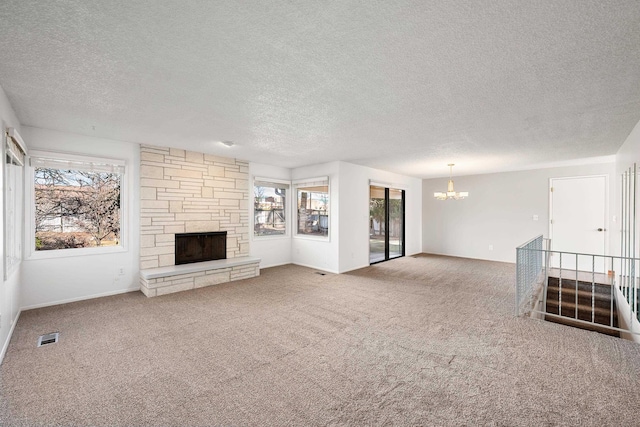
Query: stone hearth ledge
column 176, row 278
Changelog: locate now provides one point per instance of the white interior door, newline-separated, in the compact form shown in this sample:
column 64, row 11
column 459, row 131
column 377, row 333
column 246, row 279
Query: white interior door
column 578, row 221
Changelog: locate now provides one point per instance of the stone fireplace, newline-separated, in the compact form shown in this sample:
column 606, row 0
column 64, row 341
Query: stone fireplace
column 184, row 193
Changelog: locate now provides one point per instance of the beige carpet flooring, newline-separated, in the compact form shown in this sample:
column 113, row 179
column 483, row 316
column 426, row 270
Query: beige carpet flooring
column 416, row 341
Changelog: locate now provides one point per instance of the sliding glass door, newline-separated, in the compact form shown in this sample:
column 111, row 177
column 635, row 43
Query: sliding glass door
column 386, row 223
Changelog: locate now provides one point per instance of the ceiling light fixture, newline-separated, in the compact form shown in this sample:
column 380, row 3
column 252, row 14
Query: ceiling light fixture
column 228, row 143
column 451, row 193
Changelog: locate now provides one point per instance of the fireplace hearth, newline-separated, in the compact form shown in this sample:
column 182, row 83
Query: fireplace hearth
column 199, row 247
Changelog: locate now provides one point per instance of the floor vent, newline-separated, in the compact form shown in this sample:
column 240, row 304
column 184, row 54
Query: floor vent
column 51, row 338
column 321, row 274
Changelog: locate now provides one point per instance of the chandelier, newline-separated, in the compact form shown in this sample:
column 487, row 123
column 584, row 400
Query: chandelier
column 451, row 193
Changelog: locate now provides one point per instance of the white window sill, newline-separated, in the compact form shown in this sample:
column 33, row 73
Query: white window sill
column 76, row 252
column 311, row 237
column 272, row 237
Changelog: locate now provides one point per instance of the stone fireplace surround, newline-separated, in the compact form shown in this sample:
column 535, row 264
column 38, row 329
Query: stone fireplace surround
column 185, row 192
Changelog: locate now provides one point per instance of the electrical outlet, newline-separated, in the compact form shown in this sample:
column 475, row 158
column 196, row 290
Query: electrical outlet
column 121, row 271
column 535, row 217
column 490, row 247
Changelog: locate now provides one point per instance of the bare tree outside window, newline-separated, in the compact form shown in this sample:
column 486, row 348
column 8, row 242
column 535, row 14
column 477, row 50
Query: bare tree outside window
column 269, row 209
column 76, row 209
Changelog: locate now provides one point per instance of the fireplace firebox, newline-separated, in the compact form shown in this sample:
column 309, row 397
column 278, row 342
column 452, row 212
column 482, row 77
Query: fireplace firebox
column 198, row 247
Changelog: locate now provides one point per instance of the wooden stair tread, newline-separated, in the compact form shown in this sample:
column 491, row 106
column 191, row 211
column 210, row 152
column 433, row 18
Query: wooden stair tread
column 581, row 292
column 589, row 327
column 571, row 305
column 582, row 286
column 582, row 299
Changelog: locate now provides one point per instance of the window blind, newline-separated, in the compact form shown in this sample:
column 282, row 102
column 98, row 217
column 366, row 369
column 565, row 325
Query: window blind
column 312, row 182
column 264, row 182
column 70, row 162
column 14, row 149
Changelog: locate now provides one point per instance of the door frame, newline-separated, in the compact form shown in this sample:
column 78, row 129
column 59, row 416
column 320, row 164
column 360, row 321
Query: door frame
column 606, row 207
column 386, row 188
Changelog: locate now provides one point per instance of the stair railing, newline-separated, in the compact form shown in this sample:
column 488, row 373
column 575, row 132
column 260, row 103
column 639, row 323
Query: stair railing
column 573, row 272
column 531, row 269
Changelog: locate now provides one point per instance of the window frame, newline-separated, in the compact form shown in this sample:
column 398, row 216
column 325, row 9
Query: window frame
column 30, row 233
column 287, row 204
column 311, row 182
column 13, row 200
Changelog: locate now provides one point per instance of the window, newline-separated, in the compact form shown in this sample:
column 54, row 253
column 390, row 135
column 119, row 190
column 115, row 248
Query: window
column 313, row 207
column 77, row 202
column 14, row 151
column 269, row 207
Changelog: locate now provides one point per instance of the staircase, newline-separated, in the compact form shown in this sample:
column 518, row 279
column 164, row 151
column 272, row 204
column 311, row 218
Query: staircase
column 602, row 305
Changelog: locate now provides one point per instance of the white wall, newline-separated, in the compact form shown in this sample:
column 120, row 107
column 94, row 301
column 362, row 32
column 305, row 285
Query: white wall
column 57, row 280
column 312, row 251
column 9, row 289
column 272, row 251
column 354, row 213
column 629, row 152
column 348, row 245
column 498, row 212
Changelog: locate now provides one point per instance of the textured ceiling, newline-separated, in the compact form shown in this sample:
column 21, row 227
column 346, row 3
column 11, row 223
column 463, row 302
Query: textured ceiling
column 397, row 85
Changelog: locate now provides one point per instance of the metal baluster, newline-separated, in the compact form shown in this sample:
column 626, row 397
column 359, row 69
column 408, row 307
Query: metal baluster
column 534, row 273
column 560, row 285
column 593, row 289
column 635, row 289
column 632, row 243
column 632, row 236
column 518, row 279
column 613, row 282
column 528, row 282
column 633, row 292
column 636, row 284
column 625, row 243
column 546, row 279
column 576, row 297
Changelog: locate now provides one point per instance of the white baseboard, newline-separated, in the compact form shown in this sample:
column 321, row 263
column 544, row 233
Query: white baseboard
column 468, row 257
column 6, row 344
column 105, row 294
column 314, row 267
column 274, row 265
column 355, row 268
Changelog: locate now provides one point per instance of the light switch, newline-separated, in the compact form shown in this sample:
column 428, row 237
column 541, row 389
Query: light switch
column 535, row 217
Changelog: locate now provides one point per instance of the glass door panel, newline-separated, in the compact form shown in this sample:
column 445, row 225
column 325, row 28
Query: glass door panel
column 396, row 223
column 377, row 215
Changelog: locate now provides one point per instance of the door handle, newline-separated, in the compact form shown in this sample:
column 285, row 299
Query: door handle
column 601, row 229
